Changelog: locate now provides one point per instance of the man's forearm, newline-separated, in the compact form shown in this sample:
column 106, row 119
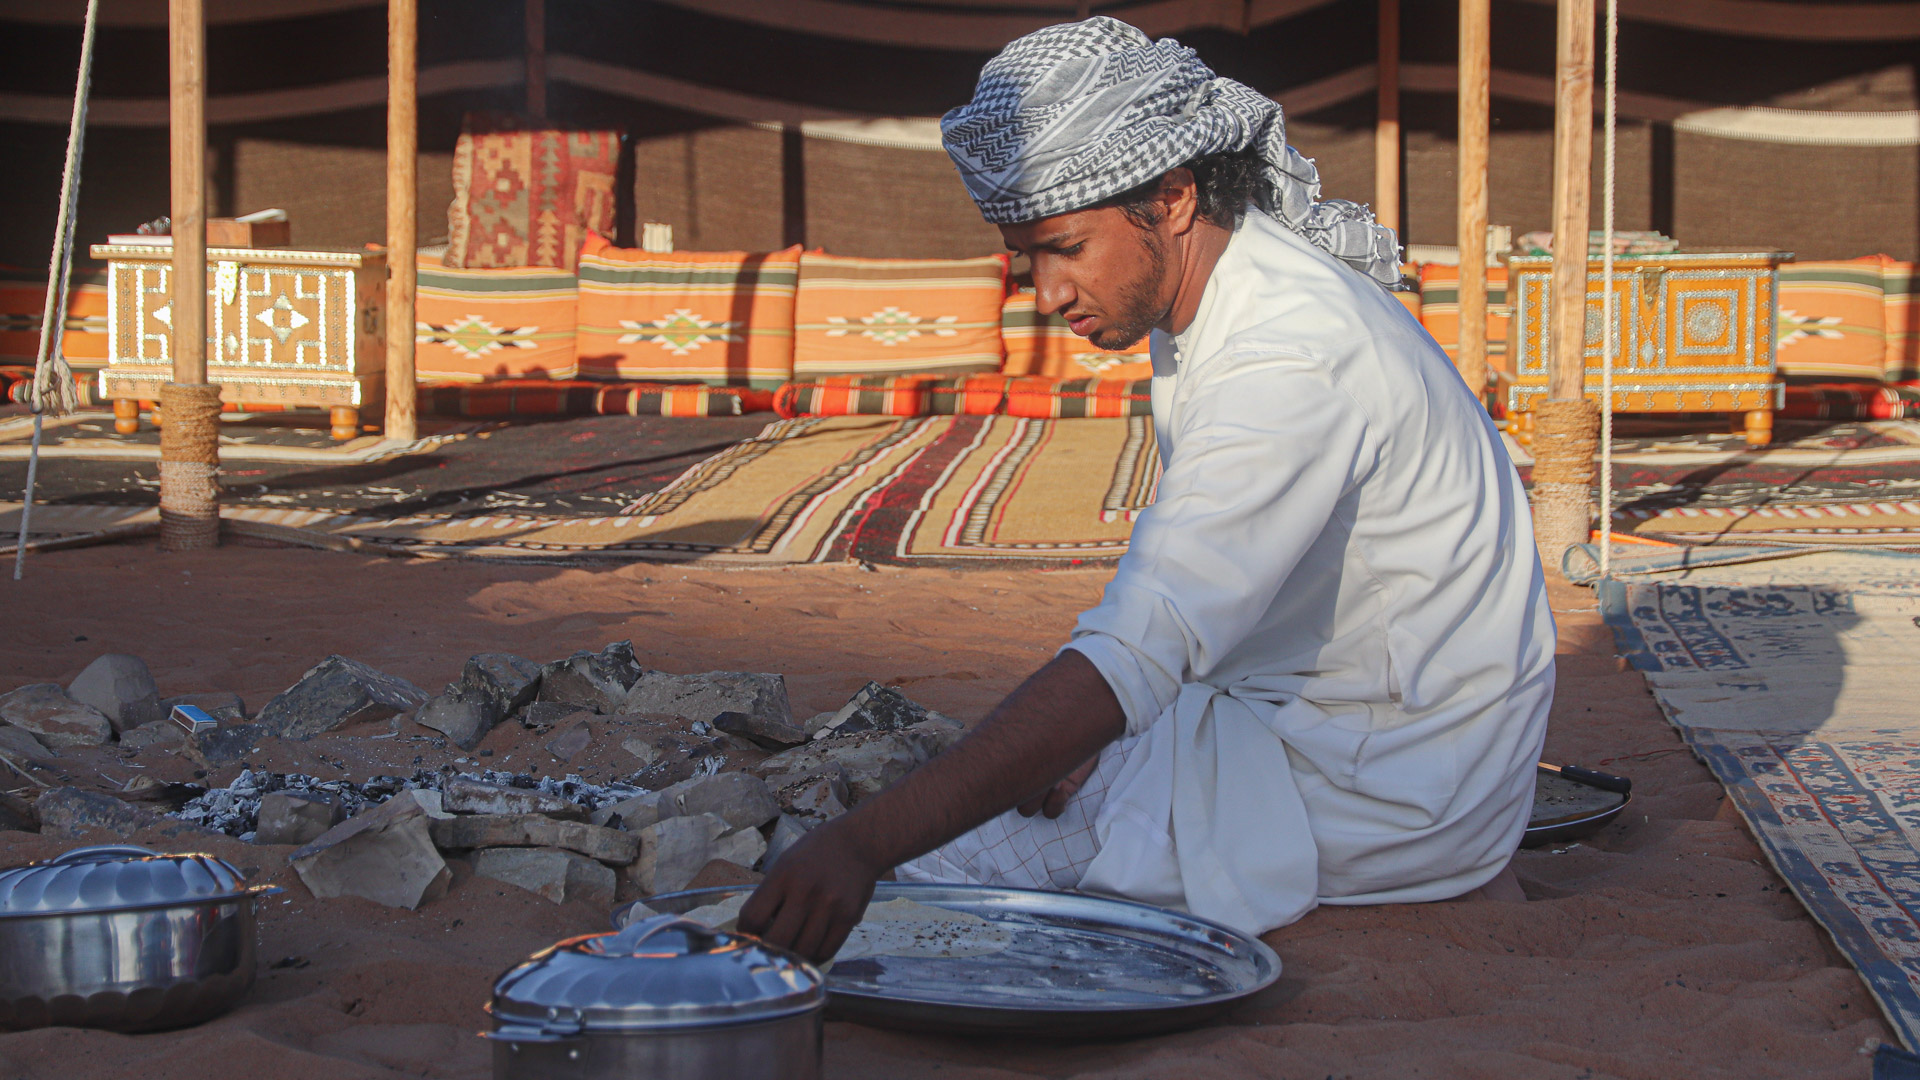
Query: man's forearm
column 1060, row 717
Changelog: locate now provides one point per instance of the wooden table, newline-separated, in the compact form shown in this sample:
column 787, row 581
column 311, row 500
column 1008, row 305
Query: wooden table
column 286, row 327
column 1692, row 333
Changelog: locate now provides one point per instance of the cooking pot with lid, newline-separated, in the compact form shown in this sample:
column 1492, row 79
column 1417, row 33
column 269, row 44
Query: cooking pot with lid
column 122, row 938
column 664, row 997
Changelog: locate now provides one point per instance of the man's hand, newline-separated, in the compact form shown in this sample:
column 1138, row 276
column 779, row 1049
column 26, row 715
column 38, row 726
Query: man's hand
column 1054, row 801
column 814, row 896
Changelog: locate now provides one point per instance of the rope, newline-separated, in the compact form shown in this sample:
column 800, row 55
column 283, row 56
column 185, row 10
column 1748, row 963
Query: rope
column 190, row 467
column 1608, row 300
column 52, row 380
column 1563, row 444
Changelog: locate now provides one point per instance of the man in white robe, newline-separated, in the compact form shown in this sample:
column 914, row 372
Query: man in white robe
column 1321, row 674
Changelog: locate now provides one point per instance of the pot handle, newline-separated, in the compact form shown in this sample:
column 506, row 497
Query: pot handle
column 515, row 1033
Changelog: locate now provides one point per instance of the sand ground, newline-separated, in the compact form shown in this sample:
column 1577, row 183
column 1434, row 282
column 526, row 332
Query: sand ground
column 1663, row 947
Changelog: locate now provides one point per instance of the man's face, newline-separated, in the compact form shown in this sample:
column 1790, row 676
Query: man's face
column 1108, row 277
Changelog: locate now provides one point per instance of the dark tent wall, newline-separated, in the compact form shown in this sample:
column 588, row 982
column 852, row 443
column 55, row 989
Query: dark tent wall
column 714, row 93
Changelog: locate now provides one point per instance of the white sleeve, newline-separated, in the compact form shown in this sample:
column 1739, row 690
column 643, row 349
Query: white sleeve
column 1261, row 459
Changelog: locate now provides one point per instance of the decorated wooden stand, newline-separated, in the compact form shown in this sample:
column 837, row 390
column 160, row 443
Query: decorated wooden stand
column 285, row 328
column 1692, row 333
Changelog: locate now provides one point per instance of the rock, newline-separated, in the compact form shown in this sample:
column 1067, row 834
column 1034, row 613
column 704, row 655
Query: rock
column 121, row 687
column 787, row 831
column 223, row 746
column 873, row 708
column 459, row 795
column 17, row 814
column 460, row 831
column 758, row 701
column 161, row 735
column 641, row 747
column 501, row 683
column 934, row 735
column 560, row 876
column 72, row 812
column 632, row 814
column 722, row 874
column 295, row 817
column 742, row 848
column 739, row 799
column 463, row 722
column 673, row 850
column 385, row 855
column 223, row 705
column 598, row 681
column 680, row 758
column 542, row 715
column 872, row 761
column 819, row 798
column 335, row 693
column 17, row 744
column 572, row 742
column 818, row 721
column 44, row 711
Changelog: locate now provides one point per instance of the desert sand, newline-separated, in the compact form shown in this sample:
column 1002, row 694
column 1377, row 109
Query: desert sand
column 1662, row 947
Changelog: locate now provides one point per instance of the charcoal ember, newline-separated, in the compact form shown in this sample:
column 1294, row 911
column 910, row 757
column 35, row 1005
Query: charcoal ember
column 873, row 708
column 72, row 813
column 223, row 705
column 121, row 688
column 385, row 855
column 598, row 681
column 560, row 876
column 336, row 693
column 681, row 757
column 55, row 720
column 459, row 795
column 753, row 705
column 296, row 818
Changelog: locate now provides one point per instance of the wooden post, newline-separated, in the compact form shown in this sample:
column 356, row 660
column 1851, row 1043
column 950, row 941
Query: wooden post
column 1568, row 429
column 537, row 59
column 190, row 441
column 1475, row 104
column 1386, row 128
column 403, row 162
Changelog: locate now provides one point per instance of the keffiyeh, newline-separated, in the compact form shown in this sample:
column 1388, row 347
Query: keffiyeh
column 1073, row 114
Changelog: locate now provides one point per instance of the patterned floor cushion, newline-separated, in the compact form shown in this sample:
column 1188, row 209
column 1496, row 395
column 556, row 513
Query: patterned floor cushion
column 718, row 317
column 1900, row 286
column 898, row 316
column 582, row 398
column 481, row 324
column 1850, row 401
column 1832, row 320
column 528, row 196
column 968, row 395
column 1438, row 307
column 1044, row 345
column 23, row 298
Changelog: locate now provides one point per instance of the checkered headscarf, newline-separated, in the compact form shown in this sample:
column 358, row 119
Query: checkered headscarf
column 1080, row 112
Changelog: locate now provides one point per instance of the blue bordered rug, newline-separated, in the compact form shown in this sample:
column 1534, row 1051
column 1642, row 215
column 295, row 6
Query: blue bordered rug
column 1797, row 698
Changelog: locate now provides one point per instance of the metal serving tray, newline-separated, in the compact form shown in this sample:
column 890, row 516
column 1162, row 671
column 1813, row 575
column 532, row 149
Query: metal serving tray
column 1079, row 967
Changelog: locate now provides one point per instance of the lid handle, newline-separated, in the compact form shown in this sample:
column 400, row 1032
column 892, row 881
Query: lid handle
column 699, row 936
column 100, row 853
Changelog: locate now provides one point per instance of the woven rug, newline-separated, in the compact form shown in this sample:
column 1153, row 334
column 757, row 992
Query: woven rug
column 1798, row 698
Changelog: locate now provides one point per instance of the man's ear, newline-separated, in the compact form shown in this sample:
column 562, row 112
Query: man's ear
column 1180, row 195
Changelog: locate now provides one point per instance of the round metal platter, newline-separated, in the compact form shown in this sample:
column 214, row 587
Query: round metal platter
column 1567, row 809
column 1079, row 967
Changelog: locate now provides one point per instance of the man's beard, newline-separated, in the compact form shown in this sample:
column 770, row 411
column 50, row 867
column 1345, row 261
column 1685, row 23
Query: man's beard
column 1140, row 305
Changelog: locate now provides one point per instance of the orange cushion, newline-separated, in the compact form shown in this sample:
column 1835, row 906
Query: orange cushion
column 1832, row 320
column 898, row 316
column 479, row 325
column 527, row 197
column 1900, row 284
column 23, row 298
column 1438, row 307
column 720, row 317
column 1044, row 345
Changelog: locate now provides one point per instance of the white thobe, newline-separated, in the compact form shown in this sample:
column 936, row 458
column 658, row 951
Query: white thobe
column 1330, row 633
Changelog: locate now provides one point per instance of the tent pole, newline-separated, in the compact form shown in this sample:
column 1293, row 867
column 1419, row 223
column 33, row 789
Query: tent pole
column 1567, row 431
column 1475, row 67
column 1386, row 128
column 403, row 163
column 189, row 437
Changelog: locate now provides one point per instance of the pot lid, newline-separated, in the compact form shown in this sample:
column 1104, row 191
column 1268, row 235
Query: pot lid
column 115, row 877
column 662, row 972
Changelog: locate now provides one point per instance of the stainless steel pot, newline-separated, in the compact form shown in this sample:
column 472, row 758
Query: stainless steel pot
column 119, row 937
column 664, row 997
